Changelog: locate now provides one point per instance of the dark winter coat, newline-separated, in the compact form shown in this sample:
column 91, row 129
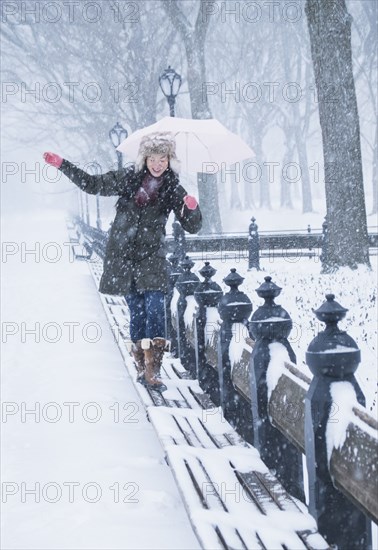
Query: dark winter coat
column 136, row 251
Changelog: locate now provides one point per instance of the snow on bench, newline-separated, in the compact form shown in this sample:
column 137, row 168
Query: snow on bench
column 232, row 499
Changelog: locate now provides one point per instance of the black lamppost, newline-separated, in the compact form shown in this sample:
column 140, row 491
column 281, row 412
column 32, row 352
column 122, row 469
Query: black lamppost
column 170, row 84
column 117, row 134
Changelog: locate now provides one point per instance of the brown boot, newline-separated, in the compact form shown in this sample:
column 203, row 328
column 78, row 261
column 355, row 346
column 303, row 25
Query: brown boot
column 138, row 354
column 153, row 358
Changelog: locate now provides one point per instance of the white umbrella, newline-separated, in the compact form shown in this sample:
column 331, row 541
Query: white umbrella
column 202, row 145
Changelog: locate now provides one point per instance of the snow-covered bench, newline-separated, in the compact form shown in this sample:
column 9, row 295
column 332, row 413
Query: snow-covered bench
column 232, row 506
column 232, row 499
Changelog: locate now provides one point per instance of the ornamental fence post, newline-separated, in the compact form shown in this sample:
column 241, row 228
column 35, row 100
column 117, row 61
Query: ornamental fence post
column 272, row 324
column 234, row 309
column 174, row 271
column 207, row 295
column 186, row 284
column 333, row 358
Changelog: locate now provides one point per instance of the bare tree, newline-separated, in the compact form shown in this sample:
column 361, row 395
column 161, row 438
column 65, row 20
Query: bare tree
column 225, row 65
column 365, row 19
column 194, row 36
column 330, row 35
column 296, row 124
column 258, row 55
column 55, row 53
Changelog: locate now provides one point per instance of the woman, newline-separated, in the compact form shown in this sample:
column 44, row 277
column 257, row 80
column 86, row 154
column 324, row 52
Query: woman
column 135, row 258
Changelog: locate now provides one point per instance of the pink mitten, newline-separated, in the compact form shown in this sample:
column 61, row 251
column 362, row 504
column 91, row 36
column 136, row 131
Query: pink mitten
column 190, row 202
column 53, row 159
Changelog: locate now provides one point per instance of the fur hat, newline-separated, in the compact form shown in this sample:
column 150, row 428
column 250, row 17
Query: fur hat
column 158, row 143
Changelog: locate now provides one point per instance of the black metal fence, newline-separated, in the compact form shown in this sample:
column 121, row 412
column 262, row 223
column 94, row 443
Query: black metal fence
column 298, row 414
column 249, row 247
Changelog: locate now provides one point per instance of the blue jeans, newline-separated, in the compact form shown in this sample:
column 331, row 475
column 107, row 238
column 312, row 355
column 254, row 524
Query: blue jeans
column 147, row 314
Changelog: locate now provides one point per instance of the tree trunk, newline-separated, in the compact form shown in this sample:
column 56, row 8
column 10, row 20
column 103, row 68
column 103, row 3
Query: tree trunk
column 234, row 180
column 208, row 195
column 330, row 35
column 285, row 198
column 207, row 183
column 249, row 201
column 293, row 50
column 370, row 62
column 265, row 174
column 375, row 174
column 303, row 163
column 194, row 41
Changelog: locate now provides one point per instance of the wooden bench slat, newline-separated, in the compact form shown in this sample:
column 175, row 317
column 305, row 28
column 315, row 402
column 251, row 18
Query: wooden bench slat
column 228, row 536
column 202, row 399
column 220, row 509
column 266, row 490
column 219, row 440
column 189, row 434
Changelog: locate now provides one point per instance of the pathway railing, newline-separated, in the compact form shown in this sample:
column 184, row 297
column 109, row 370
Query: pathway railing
column 248, row 247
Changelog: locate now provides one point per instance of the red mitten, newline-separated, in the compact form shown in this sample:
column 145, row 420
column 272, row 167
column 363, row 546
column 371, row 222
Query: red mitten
column 190, row 202
column 53, row 159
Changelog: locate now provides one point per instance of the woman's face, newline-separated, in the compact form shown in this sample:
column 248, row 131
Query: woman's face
column 157, row 164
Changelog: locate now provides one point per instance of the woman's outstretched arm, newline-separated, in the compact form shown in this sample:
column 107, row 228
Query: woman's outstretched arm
column 111, row 183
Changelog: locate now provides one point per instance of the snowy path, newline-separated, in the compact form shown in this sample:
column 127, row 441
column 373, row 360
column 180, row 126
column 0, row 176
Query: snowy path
column 88, row 452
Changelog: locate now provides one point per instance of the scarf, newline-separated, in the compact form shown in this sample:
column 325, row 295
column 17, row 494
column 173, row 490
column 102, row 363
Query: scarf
column 149, row 190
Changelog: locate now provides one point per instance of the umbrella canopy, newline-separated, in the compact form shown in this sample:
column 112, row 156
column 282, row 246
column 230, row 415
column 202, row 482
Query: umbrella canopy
column 202, row 145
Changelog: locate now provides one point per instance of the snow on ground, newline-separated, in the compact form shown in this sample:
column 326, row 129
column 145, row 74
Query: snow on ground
column 85, row 470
